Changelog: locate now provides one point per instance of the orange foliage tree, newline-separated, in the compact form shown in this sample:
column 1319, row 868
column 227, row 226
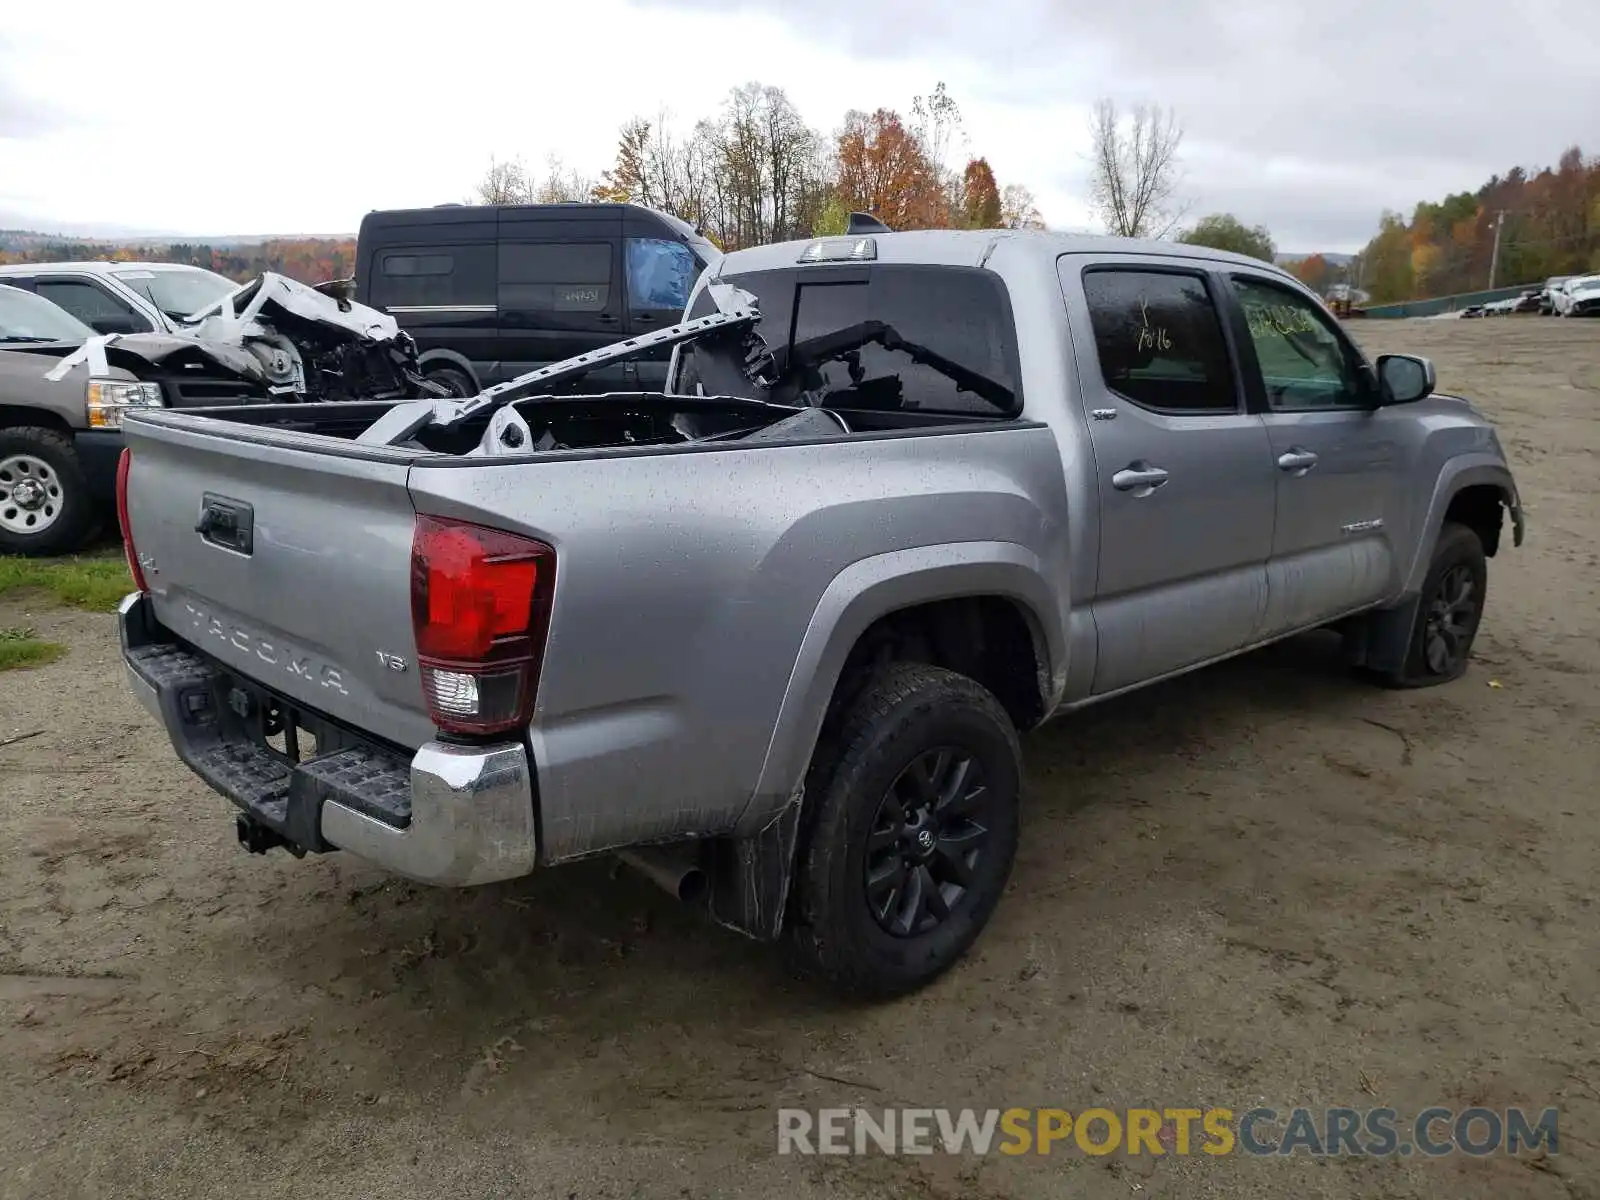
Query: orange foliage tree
column 1447, row 246
column 980, row 196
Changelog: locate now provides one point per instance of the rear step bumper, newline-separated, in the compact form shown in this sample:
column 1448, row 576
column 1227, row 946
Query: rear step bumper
column 452, row 815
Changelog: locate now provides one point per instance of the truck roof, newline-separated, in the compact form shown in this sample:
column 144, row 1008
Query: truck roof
column 972, row 248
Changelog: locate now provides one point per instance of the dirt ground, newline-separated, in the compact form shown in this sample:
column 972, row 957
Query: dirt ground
column 1262, row 884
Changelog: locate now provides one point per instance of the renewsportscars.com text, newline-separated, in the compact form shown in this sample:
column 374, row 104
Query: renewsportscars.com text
column 1259, row 1132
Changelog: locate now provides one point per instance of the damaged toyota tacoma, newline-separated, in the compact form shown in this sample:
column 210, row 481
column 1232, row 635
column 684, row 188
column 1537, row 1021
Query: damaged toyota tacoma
column 64, row 387
column 771, row 636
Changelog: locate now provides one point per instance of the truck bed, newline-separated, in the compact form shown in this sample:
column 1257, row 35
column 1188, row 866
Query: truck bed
column 693, row 548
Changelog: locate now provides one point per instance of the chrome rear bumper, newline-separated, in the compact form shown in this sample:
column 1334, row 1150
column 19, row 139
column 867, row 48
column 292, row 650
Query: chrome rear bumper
column 452, row 815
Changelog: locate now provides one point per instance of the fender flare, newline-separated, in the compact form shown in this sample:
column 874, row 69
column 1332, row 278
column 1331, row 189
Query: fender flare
column 872, row 588
column 1462, row 471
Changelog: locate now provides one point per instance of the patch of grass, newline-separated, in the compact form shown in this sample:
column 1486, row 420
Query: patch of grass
column 95, row 582
column 19, row 648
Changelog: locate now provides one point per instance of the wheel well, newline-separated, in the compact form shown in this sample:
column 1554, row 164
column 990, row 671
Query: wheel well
column 1479, row 508
column 12, row 416
column 986, row 638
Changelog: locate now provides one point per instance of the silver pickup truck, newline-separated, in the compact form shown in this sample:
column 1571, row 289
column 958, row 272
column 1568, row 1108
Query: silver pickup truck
column 771, row 636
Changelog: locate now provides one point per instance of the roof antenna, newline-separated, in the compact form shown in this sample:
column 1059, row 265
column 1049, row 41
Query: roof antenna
column 861, row 222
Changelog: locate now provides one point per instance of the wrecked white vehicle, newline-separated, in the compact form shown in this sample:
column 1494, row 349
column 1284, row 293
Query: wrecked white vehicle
column 270, row 340
column 64, row 388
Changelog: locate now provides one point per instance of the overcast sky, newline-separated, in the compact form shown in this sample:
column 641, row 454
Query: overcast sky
column 297, row 117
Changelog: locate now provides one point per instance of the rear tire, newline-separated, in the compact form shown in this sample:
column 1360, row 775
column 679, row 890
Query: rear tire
column 458, row 381
column 45, row 503
column 1449, row 611
column 908, row 834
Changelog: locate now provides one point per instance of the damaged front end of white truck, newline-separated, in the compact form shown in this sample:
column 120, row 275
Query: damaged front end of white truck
column 270, row 341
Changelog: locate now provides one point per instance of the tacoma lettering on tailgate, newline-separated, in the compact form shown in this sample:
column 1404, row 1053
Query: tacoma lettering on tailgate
column 274, row 654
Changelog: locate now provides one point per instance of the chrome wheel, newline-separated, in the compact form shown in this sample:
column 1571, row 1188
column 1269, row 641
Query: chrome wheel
column 31, row 495
column 928, row 836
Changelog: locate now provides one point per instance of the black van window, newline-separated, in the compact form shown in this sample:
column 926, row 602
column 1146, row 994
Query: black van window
column 660, row 274
column 434, row 277
column 555, row 277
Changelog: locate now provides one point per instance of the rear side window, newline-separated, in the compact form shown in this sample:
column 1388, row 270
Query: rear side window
column 1159, row 340
column 555, row 277
column 88, row 302
column 441, row 277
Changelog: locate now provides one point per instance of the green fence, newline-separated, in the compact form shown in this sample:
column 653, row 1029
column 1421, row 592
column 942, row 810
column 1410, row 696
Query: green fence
column 1443, row 304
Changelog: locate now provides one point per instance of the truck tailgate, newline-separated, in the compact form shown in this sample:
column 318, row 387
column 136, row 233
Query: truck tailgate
column 307, row 588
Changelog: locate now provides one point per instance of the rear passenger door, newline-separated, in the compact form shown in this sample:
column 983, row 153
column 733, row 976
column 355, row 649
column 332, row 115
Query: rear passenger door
column 561, row 294
column 1338, row 461
column 1183, row 471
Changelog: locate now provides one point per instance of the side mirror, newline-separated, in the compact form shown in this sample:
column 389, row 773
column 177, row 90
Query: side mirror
column 1404, row 378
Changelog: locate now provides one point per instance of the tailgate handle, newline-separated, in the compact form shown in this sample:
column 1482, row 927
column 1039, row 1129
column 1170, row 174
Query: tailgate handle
column 226, row 523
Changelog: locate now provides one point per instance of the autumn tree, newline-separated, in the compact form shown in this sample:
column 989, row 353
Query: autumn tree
column 980, row 196
column 628, row 179
column 1135, row 170
column 1545, row 227
column 504, row 183
column 936, row 125
column 1388, row 261
column 1224, row 231
column 1018, row 209
column 1315, row 272
column 755, row 171
column 883, row 170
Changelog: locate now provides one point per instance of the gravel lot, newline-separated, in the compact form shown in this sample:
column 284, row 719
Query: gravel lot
column 1265, row 883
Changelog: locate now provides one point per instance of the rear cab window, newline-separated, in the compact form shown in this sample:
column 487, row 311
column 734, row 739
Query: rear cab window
column 891, row 337
column 1159, row 340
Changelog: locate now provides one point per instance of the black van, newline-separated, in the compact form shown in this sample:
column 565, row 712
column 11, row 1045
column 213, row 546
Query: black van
column 490, row 292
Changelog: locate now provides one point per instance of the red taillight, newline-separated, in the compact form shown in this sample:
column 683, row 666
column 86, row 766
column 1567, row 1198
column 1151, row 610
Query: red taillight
column 124, row 463
column 480, row 606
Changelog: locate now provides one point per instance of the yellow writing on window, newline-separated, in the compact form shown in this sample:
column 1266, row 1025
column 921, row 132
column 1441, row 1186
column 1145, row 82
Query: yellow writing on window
column 1266, row 320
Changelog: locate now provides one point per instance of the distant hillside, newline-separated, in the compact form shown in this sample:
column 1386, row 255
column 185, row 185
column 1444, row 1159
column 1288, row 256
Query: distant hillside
column 1286, row 259
column 310, row 260
column 1544, row 222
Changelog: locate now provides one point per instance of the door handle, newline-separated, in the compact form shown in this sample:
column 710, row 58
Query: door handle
column 1139, row 477
column 606, row 319
column 1297, row 459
